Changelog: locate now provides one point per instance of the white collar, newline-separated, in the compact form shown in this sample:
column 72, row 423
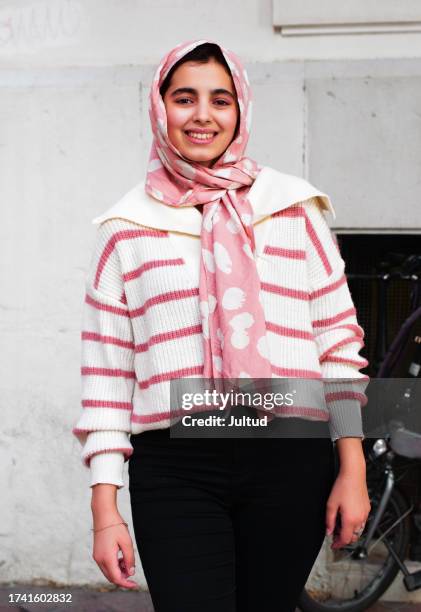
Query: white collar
column 272, row 191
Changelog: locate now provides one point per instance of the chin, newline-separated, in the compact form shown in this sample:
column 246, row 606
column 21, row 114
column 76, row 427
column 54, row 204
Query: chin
column 200, row 160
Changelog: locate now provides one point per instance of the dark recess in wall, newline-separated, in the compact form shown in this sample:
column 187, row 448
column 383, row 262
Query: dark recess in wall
column 375, row 253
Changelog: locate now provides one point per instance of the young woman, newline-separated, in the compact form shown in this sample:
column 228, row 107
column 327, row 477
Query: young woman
column 220, row 268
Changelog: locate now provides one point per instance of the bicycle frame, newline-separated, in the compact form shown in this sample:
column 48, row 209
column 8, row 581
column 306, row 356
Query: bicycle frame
column 389, row 485
column 364, row 549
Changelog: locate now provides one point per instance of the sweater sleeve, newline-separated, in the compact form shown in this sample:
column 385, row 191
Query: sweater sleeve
column 338, row 336
column 107, row 366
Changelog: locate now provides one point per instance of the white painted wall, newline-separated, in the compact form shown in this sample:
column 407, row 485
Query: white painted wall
column 115, row 32
column 74, row 136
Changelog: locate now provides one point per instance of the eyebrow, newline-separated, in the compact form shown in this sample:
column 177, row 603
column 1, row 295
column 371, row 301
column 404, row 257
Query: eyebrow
column 190, row 90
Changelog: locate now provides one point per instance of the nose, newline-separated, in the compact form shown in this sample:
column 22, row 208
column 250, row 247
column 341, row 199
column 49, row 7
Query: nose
column 202, row 111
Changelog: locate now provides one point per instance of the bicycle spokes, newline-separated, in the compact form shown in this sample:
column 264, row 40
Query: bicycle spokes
column 351, row 573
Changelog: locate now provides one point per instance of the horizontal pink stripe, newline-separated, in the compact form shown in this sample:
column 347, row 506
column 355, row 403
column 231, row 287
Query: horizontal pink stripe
column 355, row 328
column 128, row 452
column 173, row 375
column 328, row 289
column 291, row 211
column 122, row 235
column 335, row 359
column 340, row 344
column 129, row 234
column 107, row 339
column 283, row 252
column 284, row 291
column 331, row 320
column 170, row 335
column 346, row 395
column 162, row 298
column 151, row 265
column 304, row 411
column 289, row 331
column 295, row 372
column 91, row 371
column 158, row 417
column 318, row 246
column 92, row 403
column 106, row 307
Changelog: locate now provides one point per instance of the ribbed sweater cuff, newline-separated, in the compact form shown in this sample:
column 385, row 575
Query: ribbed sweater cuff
column 107, row 467
column 345, row 419
column 105, row 441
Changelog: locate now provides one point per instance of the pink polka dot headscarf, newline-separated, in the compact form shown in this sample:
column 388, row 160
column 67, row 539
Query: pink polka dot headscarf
column 233, row 321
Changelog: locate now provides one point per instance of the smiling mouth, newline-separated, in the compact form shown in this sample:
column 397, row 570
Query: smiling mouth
column 197, row 136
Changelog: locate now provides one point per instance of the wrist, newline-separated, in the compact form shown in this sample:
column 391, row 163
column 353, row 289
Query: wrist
column 102, row 517
column 351, row 456
column 353, row 465
column 104, row 497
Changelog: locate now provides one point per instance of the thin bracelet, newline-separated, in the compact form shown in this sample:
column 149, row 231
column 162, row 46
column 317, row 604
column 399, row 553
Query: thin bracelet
column 95, row 530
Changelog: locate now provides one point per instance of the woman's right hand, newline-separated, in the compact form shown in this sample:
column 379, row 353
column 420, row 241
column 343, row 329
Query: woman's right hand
column 108, row 542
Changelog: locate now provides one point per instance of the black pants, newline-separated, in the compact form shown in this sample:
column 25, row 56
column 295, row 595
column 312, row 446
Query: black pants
column 228, row 525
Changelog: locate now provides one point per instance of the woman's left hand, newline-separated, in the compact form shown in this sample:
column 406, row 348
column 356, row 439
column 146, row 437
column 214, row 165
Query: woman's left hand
column 349, row 497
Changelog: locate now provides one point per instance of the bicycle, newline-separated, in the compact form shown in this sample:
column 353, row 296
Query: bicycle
column 358, row 574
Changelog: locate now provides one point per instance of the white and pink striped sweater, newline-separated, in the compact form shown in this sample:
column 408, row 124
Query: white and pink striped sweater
column 142, row 323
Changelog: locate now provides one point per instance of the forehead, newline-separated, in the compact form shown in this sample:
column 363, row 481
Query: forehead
column 205, row 76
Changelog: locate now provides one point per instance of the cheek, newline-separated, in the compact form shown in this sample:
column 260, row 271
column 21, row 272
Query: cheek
column 176, row 118
column 229, row 122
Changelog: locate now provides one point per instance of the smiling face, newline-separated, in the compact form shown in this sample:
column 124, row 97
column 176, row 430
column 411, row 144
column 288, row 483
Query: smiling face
column 202, row 111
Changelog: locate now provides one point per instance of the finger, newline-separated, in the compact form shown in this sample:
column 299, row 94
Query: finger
column 119, row 578
column 128, row 555
column 337, row 542
column 116, row 575
column 346, row 533
column 330, row 519
column 103, row 569
column 123, row 567
column 339, row 538
column 360, row 529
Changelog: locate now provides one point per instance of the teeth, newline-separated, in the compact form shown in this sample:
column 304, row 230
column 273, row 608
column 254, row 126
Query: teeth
column 200, row 136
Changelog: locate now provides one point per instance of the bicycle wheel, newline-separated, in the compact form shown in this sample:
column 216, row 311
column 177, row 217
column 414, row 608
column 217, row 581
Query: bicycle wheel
column 343, row 580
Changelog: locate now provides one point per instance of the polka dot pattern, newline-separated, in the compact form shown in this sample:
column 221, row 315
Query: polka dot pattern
column 233, row 321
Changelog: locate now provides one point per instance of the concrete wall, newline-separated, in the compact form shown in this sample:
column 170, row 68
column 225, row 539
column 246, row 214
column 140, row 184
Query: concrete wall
column 110, row 32
column 75, row 136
